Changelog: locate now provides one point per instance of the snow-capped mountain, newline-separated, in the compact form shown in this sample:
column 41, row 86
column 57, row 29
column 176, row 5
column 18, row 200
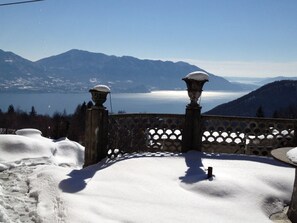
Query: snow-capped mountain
column 77, row 71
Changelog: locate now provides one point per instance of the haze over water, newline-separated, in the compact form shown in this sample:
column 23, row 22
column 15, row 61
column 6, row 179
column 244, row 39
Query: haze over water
column 154, row 102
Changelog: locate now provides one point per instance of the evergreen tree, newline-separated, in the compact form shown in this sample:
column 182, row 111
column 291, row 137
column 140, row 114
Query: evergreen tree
column 60, row 126
column 10, row 109
column 83, row 109
column 260, row 112
column 33, row 111
column 275, row 114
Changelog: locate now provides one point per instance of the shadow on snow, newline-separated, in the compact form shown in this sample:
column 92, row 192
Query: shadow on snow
column 78, row 179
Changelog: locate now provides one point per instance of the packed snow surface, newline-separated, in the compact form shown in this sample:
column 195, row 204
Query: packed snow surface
column 42, row 181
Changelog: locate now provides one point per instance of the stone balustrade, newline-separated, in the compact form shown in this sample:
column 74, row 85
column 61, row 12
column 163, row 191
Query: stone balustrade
column 130, row 133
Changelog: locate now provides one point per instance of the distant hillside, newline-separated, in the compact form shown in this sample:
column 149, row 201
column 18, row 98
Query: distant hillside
column 271, row 97
column 12, row 65
column 77, row 71
column 272, row 79
column 257, row 81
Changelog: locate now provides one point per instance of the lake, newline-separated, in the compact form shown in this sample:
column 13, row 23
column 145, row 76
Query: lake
column 154, row 102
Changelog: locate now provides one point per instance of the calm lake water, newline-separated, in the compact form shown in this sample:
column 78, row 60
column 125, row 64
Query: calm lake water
column 154, row 102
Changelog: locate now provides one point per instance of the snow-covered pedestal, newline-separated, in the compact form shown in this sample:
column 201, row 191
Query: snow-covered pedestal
column 96, row 127
column 192, row 134
column 289, row 156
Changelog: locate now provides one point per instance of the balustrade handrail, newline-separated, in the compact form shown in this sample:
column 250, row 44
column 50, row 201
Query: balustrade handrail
column 146, row 114
column 249, row 118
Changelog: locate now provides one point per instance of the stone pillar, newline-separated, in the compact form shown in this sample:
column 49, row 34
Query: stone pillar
column 96, row 135
column 192, row 133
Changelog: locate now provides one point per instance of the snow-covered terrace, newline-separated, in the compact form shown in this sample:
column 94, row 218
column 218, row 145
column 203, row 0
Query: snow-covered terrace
column 42, row 180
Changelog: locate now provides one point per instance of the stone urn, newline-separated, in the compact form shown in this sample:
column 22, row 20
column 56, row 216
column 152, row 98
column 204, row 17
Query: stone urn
column 99, row 95
column 195, row 82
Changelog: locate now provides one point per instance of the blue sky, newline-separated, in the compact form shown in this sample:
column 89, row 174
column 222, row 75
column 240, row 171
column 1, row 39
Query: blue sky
column 225, row 37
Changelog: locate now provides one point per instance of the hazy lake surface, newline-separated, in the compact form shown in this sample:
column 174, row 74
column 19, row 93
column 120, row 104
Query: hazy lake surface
column 154, row 102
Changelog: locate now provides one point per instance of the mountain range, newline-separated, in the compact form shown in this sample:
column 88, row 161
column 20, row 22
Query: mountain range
column 271, row 98
column 78, row 71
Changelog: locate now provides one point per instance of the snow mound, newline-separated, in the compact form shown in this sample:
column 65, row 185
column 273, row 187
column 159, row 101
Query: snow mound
column 28, row 132
column 292, row 155
column 29, row 143
column 69, row 153
column 16, row 147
